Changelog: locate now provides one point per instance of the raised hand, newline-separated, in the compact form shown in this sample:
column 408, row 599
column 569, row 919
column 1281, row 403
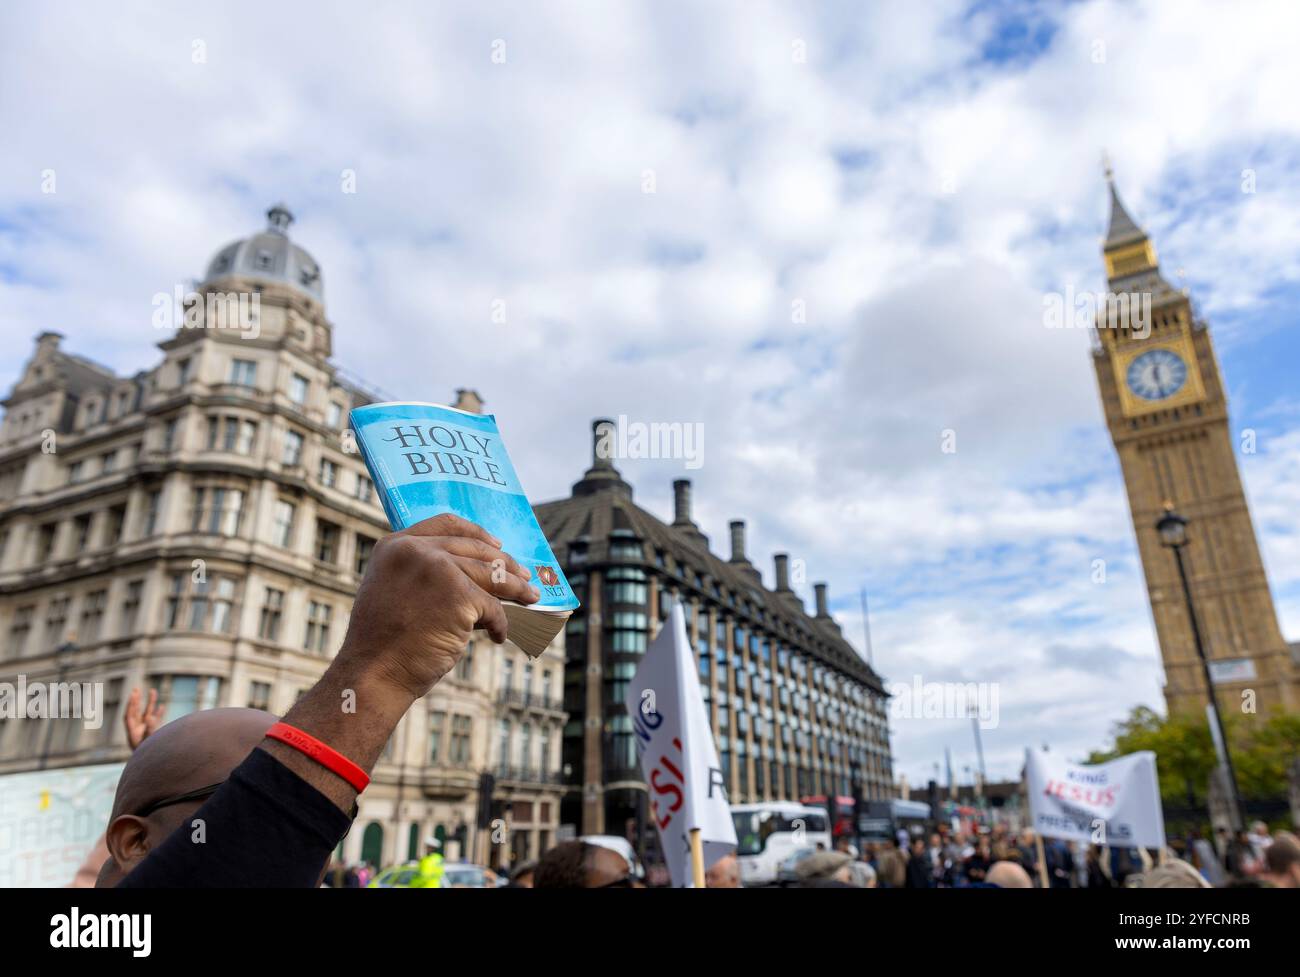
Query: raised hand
column 140, row 723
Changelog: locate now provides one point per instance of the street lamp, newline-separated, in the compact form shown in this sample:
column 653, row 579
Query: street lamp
column 1173, row 534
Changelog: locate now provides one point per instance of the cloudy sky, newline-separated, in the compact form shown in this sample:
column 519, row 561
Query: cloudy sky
column 914, row 177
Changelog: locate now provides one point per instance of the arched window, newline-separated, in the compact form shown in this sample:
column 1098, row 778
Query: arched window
column 413, row 843
column 372, row 844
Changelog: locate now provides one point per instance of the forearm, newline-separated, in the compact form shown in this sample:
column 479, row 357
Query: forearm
column 354, row 713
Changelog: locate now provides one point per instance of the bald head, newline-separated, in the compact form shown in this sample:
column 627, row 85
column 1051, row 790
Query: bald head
column 1008, row 875
column 188, row 754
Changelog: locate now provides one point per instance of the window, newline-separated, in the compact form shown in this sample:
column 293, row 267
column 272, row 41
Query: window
column 259, row 696
column 185, row 694
column 184, row 370
column 365, row 488
column 170, row 431
column 329, row 473
column 318, row 627
column 152, row 502
column 503, row 745
column 298, row 386
column 327, row 541
column 436, row 722
column 282, row 527
column 334, row 414
column 200, row 605
column 131, row 606
column 292, row 454
column 217, row 510
column 92, row 615
column 76, row 472
column 108, row 461
column 272, row 611
column 81, row 533
column 223, row 605
column 45, row 541
column 56, row 622
column 20, row 628
column 525, row 746
column 243, row 373
column 113, row 528
column 231, row 434
column 108, row 709
column 461, row 728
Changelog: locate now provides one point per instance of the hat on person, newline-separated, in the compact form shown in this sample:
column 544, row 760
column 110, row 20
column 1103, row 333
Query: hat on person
column 821, row 865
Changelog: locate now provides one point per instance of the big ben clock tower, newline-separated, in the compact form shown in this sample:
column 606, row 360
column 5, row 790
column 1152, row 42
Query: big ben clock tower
column 1167, row 412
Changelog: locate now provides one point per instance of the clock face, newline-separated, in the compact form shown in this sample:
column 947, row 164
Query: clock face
column 1157, row 374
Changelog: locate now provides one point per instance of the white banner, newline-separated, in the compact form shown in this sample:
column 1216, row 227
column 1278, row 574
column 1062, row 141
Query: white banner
column 1115, row 803
column 49, row 821
column 678, row 757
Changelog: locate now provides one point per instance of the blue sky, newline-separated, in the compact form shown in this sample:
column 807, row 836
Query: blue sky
column 916, row 176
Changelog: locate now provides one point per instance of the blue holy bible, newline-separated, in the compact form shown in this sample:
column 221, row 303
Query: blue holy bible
column 427, row 459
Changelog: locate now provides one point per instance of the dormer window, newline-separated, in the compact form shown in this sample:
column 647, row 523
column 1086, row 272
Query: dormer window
column 262, row 261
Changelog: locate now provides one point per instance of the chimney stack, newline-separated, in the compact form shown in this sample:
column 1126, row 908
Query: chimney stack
column 602, row 475
column 603, row 434
column 682, row 502
column 819, row 589
column 782, row 573
column 738, row 541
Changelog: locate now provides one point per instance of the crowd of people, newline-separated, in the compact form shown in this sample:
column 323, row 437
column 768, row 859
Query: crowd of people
column 995, row 859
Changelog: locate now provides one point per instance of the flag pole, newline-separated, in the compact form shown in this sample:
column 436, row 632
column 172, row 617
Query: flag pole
column 697, row 859
column 1042, row 860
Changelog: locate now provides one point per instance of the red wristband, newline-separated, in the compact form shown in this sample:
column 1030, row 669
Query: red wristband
column 328, row 758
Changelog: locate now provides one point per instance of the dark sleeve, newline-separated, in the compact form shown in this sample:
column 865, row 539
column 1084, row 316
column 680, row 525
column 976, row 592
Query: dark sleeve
column 265, row 827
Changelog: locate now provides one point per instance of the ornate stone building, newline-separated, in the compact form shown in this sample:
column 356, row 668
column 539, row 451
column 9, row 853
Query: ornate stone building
column 201, row 527
column 794, row 710
column 1167, row 410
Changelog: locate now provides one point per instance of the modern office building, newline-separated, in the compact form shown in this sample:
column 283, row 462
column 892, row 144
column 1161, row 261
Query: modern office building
column 795, row 711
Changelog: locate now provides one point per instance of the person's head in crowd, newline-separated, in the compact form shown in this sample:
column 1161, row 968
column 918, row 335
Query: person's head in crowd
column 578, row 865
column 864, row 876
column 891, row 868
column 174, row 771
column 825, row 869
column 1008, row 875
column 1259, row 830
column 1282, row 861
column 1173, row 874
column 918, row 845
column 724, row 873
column 521, row 876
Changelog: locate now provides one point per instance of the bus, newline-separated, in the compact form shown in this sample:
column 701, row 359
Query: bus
column 842, row 822
column 883, row 820
column 768, row 833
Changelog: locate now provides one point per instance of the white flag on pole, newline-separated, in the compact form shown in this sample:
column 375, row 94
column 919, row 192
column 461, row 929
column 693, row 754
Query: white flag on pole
column 678, row 757
column 1115, row 803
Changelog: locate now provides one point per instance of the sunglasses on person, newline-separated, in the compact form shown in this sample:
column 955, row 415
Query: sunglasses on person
column 203, row 793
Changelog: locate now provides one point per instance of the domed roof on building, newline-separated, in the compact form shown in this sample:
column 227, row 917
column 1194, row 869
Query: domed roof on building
column 269, row 256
